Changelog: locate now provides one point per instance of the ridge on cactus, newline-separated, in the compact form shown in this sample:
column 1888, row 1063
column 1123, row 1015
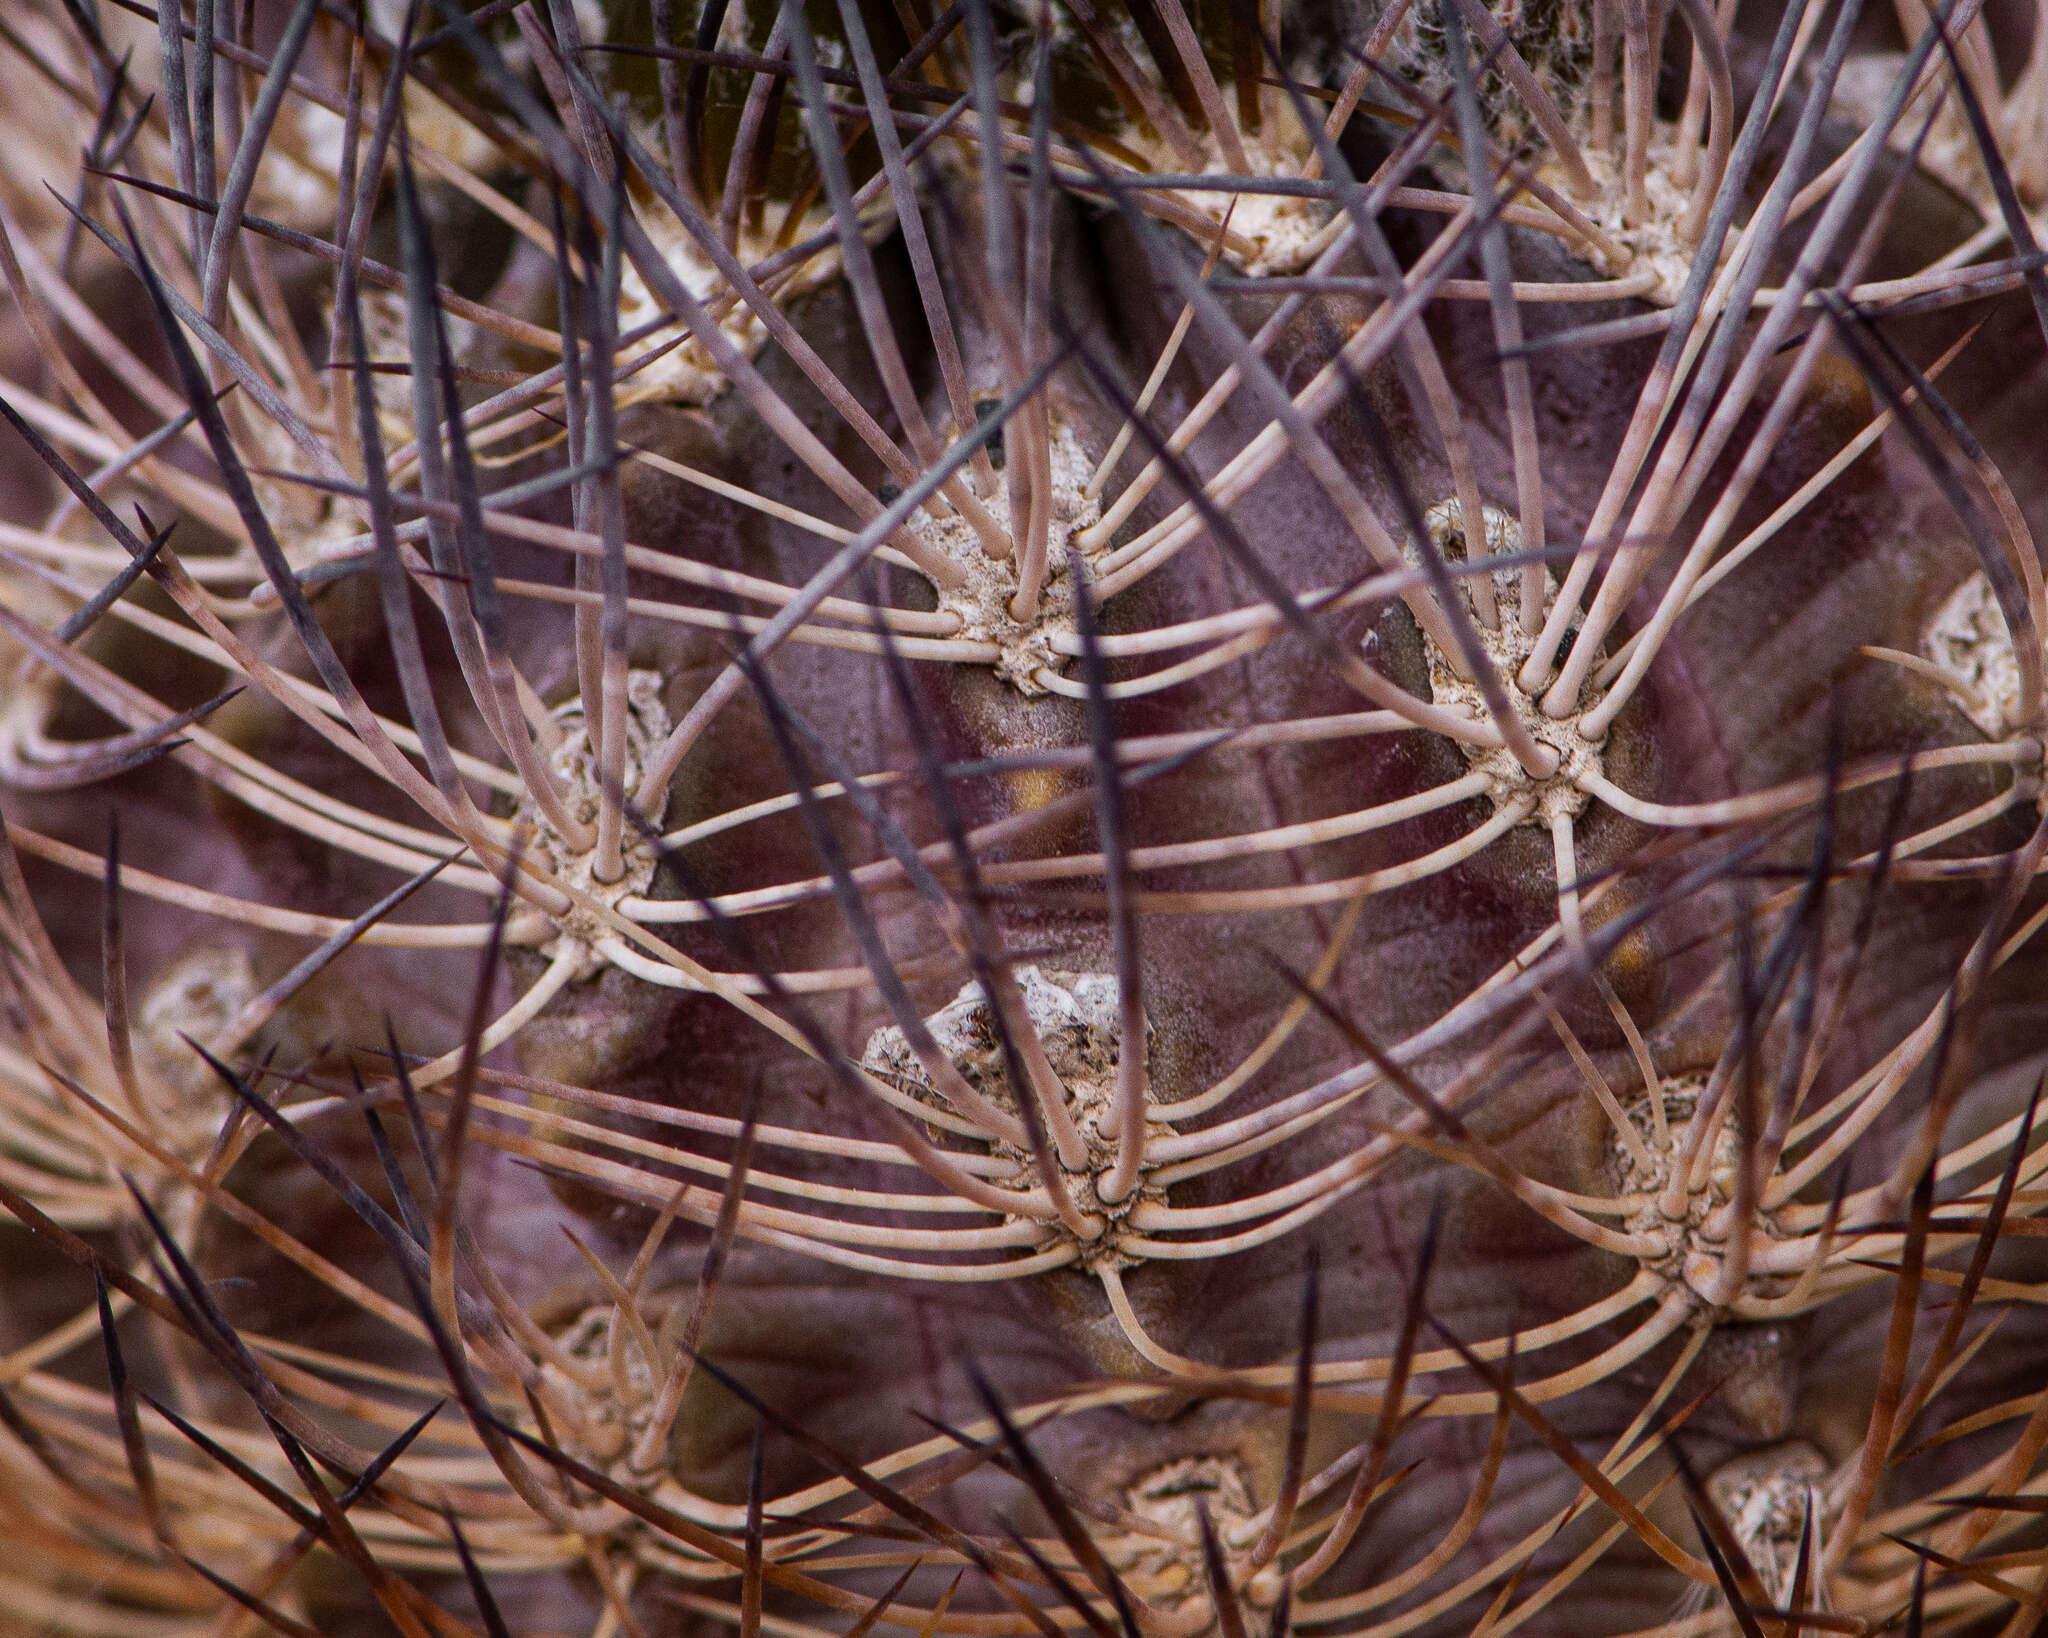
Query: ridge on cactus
column 1143, row 817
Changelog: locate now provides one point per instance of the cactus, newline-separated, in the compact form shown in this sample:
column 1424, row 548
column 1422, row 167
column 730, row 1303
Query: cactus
column 1022, row 818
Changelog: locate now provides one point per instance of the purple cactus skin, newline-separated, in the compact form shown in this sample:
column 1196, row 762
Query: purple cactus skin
column 1804, row 895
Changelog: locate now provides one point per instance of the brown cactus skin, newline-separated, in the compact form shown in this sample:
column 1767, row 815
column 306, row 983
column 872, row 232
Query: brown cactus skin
column 1764, row 683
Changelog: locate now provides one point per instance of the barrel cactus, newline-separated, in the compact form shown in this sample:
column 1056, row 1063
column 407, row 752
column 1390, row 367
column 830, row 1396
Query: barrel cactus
column 1030, row 817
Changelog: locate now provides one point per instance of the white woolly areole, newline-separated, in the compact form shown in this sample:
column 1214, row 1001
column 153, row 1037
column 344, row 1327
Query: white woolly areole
column 197, row 995
column 1681, row 1098
column 1077, row 1016
column 1765, row 1496
column 1653, row 244
column 615, row 1403
column 1948, row 147
column 1167, row 1499
column 1077, row 1013
column 1507, row 646
column 686, row 374
column 1691, row 1257
column 1269, row 233
column 1968, row 643
column 1078, row 1019
column 575, row 765
column 982, row 602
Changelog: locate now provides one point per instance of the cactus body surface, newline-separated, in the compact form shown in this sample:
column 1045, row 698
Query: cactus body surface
column 1037, row 817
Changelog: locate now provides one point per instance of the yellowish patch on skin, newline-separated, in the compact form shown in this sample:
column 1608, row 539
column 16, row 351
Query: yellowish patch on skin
column 1632, row 967
column 1034, row 788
